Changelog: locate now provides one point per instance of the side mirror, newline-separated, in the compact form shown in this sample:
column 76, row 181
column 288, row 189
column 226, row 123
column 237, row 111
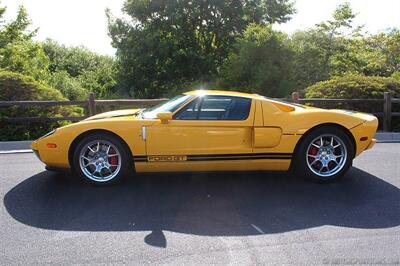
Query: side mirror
column 164, row 117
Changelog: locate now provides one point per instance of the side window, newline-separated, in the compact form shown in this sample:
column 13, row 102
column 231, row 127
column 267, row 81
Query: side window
column 216, row 108
column 239, row 109
column 190, row 111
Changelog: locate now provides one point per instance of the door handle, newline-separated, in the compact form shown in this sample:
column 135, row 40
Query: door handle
column 143, row 133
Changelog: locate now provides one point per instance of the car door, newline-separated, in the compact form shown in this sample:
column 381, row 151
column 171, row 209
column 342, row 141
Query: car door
column 210, row 127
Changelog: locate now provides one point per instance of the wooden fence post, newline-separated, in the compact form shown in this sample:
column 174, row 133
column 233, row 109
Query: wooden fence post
column 387, row 112
column 295, row 97
column 92, row 104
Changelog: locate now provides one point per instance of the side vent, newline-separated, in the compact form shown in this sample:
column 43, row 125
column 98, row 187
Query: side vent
column 267, row 137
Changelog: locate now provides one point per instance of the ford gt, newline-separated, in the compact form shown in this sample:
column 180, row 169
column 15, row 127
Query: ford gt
column 209, row 130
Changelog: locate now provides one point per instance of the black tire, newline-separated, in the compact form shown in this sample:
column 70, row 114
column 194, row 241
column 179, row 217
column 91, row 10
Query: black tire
column 303, row 161
column 124, row 159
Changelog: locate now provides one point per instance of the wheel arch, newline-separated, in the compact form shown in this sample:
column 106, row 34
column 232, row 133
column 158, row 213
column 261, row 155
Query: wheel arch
column 338, row 126
column 93, row 131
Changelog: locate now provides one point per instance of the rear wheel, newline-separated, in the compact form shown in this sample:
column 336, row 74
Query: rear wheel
column 324, row 154
column 101, row 159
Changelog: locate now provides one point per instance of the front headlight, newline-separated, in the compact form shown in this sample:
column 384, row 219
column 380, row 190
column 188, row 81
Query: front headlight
column 48, row 134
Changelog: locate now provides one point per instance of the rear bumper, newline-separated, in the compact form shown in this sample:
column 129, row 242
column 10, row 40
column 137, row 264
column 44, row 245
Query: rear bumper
column 364, row 134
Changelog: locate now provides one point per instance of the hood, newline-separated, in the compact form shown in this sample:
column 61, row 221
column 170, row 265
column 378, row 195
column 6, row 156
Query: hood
column 111, row 114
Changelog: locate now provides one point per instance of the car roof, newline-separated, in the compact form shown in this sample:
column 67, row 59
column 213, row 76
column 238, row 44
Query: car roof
column 230, row 93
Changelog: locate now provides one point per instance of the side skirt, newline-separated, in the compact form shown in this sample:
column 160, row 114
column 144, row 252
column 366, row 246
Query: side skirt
column 205, row 163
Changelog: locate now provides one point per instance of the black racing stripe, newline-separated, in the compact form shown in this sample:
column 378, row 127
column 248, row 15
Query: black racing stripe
column 140, row 158
column 241, row 154
column 237, row 156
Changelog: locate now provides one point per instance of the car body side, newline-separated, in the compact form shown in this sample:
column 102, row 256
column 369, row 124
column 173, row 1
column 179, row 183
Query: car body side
column 273, row 129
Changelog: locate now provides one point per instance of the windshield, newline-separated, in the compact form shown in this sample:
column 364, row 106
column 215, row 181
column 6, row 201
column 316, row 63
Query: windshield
column 169, row 106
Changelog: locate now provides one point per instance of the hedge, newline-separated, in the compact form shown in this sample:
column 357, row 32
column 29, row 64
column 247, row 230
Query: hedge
column 18, row 87
column 357, row 87
column 352, row 87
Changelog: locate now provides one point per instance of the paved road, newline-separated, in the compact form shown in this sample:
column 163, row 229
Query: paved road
column 46, row 218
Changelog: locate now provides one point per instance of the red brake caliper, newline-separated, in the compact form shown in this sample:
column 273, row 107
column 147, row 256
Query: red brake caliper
column 312, row 151
column 114, row 159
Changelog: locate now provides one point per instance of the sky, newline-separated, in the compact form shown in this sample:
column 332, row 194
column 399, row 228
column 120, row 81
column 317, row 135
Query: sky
column 83, row 22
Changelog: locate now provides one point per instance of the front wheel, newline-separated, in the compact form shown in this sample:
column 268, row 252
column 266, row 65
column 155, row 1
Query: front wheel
column 101, row 159
column 324, row 154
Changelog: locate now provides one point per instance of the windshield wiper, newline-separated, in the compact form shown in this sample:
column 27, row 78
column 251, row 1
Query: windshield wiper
column 140, row 112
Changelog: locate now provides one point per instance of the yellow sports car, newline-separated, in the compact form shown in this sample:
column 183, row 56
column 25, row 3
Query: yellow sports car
column 210, row 131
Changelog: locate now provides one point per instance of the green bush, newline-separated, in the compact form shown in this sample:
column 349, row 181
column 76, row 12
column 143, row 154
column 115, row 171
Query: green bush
column 352, row 87
column 357, row 87
column 396, row 75
column 17, row 87
column 69, row 86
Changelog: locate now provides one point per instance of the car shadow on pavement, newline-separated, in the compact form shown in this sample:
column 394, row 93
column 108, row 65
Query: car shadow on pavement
column 204, row 204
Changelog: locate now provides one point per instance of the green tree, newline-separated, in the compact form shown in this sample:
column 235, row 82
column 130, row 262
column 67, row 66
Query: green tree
column 25, row 57
column 94, row 72
column 380, row 53
column 2, row 11
column 18, row 52
column 308, row 59
column 16, row 30
column 370, row 55
column 69, row 86
column 327, row 50
column 334, row 29
column 170, row 42
column 261, row 63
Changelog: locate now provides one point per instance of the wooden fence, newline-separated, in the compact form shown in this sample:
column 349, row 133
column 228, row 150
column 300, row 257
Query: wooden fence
column 386, row 102
column 90, row 107
column 91, row 104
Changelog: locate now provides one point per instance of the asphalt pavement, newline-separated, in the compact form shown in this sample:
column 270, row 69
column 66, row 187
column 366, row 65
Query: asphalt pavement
column 202, row 219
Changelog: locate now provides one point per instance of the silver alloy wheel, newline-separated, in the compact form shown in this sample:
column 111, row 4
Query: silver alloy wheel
column 326, row 155
column 100, row 160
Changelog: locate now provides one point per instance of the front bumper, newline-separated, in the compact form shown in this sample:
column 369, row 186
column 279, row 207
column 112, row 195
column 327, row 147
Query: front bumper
column 36, row 152
column 371, row 144
column 53, row 157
